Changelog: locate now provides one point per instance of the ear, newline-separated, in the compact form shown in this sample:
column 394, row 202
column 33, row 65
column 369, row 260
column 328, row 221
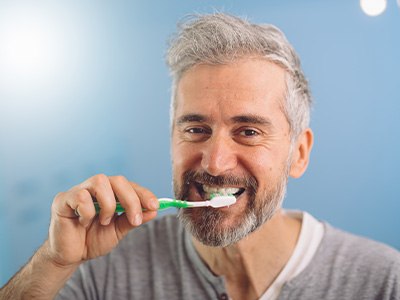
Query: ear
column 301, row 153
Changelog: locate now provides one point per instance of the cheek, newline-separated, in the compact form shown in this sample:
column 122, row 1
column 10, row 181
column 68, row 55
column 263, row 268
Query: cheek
column 184, row 157
column 176, row 152
column 257, row 162
column 265, row 166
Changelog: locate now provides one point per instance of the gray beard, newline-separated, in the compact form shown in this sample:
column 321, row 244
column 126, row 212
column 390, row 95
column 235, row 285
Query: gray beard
column 206, row 225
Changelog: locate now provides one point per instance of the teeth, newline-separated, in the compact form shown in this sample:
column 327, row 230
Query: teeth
column 223, row 191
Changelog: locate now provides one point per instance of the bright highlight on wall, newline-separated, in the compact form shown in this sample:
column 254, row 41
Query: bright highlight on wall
column 373, row 7
column 28, row 48
column 41, row 49
column 31, row 51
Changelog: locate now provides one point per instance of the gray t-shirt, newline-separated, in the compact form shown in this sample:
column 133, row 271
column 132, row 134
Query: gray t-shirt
column 158, row 261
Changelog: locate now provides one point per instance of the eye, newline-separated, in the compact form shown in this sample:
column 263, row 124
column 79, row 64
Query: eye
column 196, row 133
column 249, row 136
column 248, row 132
column 196, row 130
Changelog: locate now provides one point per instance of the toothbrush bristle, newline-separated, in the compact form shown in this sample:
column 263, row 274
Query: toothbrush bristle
column 213, row 195
column 218, row 200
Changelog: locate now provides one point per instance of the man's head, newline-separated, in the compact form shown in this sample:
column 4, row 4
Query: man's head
column 240, row 112
column 220, row 39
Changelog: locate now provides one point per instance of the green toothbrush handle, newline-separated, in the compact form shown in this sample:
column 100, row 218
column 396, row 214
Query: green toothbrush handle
column 164, row 204
column 172, row 203
column 118, row 208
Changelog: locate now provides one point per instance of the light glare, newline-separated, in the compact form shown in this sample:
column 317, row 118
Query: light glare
column 30, row 52
column 373, row 7
column 27, row 48
column 41, row 53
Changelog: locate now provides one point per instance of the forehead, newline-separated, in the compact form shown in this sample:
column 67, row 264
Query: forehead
column 244, row 86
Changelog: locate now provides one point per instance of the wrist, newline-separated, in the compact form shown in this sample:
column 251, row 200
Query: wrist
column 41, row 278
column 48, row 257
column 46, row 275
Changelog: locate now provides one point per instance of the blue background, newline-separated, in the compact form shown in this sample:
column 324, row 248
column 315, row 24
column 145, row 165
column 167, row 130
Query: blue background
column 106, row 111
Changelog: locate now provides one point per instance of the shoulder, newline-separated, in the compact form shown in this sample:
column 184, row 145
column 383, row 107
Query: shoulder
column 347, row 266
column 353, row 250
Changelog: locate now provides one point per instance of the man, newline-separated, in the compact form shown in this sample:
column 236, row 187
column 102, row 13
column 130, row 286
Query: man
column 239, row 119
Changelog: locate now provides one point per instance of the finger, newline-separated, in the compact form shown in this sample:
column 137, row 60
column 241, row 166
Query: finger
column 99, row 187
column 149, row 215
column 128, row 198
column 148, row 200
column 82, row 203
column 66, row 203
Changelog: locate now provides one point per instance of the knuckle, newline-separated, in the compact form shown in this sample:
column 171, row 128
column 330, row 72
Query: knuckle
column 107, row 209
column 81, row 196
column 119, row 179
column 108, row 206
column 59, row 197
column 100, row 179
column 57, row 200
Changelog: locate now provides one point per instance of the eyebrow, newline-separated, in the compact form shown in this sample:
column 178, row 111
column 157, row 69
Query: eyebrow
column 252, row 119
column 191, row 118
column 247, row 119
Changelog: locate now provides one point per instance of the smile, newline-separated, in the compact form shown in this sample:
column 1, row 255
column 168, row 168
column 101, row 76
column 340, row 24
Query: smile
column 207, row 190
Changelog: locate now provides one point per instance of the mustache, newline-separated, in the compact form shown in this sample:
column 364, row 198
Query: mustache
column 248, row 182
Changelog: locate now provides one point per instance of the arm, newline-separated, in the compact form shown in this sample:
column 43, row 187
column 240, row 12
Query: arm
column 40, row 278
column 73, row 240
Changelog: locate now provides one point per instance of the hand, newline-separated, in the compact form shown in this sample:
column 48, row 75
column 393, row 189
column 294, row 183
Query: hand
column 73, row 239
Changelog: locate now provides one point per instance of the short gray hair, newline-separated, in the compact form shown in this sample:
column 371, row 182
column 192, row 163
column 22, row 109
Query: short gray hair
column 221, row 38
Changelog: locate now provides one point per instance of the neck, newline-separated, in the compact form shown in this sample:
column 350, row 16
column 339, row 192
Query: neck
column 251, row 265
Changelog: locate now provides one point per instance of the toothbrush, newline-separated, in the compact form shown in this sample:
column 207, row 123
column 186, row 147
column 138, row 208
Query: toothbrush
column 216, row 201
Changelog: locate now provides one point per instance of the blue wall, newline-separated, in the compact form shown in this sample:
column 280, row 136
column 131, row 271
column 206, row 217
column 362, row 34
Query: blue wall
column 103, row 107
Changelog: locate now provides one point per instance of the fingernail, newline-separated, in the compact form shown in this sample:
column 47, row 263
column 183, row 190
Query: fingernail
column 107, row 221
column 138, row 219
column 154, row 204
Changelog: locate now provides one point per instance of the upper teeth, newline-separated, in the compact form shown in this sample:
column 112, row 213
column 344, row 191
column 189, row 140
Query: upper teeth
column 218, row 190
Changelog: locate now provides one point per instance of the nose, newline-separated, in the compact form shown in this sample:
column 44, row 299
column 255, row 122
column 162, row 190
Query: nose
column 218, row 155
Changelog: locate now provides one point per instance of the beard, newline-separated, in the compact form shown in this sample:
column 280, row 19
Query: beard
column 207, row 224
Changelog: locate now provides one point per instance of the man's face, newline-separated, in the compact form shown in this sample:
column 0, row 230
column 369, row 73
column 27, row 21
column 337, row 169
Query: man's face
column 230, row 135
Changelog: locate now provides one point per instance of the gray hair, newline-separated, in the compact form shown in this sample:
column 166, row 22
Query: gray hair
column 221, row 38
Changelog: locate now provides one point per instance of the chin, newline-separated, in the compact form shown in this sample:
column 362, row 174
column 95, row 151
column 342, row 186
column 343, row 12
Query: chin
column 215, row 227
column 228, row 225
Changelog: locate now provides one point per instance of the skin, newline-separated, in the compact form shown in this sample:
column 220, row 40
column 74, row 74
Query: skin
column 222, row 142
column 220, row 93
column 73, row 240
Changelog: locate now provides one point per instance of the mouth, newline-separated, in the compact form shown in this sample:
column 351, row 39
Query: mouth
column 207, row 191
